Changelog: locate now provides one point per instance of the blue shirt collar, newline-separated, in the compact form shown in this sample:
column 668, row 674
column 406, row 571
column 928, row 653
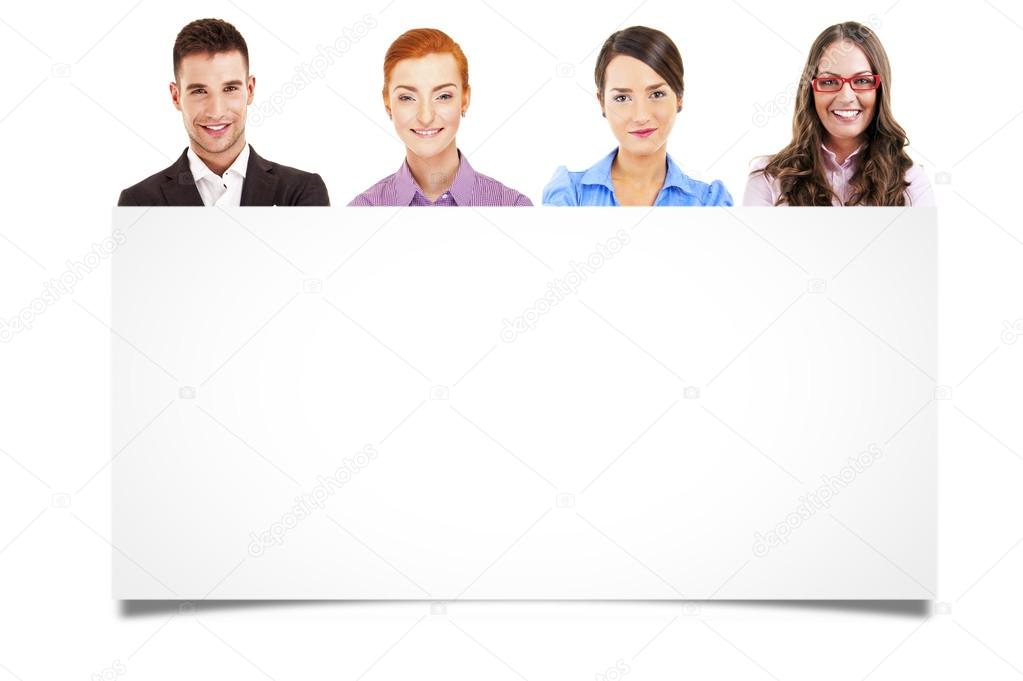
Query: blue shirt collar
column 600, row 173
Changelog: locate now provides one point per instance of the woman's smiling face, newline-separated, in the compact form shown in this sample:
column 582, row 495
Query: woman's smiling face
column 640, row 106
column 846, row 114
column 426, row 101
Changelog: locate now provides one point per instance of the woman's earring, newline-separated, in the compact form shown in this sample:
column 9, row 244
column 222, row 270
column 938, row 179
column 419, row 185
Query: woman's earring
column 678, row 110
column 604, row 114
column 463, row 114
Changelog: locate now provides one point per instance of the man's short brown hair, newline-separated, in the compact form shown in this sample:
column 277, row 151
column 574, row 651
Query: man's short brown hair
column 208, row 36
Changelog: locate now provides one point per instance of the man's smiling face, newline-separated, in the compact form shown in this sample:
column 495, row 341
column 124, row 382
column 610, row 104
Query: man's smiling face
column 212, row 93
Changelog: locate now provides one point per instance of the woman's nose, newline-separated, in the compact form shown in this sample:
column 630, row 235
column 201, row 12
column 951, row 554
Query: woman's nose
column 846, row 94
column 425, row 113
column 640, row 114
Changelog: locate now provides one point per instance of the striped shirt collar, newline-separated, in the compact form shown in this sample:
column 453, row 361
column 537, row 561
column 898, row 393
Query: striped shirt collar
column 460, row 190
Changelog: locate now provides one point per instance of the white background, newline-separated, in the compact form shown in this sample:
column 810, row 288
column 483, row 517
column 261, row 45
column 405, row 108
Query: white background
column 84, row 112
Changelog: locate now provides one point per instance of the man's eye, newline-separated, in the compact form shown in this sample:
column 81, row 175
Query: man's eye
column 198, row 92
column 231, row 88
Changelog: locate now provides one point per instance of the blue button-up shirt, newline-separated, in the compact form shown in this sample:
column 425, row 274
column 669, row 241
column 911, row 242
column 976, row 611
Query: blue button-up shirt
column 593, row 187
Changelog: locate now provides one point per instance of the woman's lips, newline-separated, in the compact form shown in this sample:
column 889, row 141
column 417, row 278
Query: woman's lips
column 645, row 132
column 846, row 115
column 426, row 133
column 216, row 130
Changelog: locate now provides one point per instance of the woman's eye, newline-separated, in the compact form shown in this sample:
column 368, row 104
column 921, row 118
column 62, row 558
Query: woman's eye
column 828, row 82
column 620, row 98
column 446, row 95
column 657, row 94
column 864, row 81
column 404, row 98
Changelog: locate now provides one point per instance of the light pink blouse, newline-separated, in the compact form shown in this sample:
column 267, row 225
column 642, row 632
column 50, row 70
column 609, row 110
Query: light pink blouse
column 762, row 190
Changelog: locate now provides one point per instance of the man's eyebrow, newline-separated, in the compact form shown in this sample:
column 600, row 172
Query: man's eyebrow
column 194, row 86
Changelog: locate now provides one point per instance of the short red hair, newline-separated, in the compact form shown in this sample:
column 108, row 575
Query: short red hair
column 419, row 42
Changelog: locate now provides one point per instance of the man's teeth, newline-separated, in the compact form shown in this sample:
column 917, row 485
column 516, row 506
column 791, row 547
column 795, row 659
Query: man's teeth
column 216, row 128
column 429, row 132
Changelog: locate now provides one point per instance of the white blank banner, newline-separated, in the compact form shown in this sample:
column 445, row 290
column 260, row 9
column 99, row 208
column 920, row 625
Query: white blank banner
column 524, row 403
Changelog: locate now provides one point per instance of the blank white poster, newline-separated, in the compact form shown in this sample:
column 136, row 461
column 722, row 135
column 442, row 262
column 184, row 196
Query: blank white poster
column 524, row 403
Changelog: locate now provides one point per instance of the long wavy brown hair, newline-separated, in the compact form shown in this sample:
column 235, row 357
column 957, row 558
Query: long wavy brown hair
column 880, row 176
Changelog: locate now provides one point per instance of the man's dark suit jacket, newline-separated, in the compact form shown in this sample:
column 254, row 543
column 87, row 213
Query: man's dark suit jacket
column 266, row 184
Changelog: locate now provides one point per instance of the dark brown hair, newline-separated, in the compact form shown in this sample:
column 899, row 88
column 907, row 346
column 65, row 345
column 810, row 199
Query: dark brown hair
column 208, row 36
column 880, row 177
column 648, row 45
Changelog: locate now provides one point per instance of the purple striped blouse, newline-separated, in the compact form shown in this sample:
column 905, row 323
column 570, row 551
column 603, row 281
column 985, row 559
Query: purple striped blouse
column 469, row 188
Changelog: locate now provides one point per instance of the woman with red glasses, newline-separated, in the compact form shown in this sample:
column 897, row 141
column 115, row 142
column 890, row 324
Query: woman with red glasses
column 846, row 149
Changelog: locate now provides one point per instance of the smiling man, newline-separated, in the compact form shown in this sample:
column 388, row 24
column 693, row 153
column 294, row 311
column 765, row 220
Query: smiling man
column 212, row 89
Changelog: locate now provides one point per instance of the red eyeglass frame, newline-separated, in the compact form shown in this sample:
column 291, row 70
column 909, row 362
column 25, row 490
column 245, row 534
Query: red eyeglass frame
column 875, row 76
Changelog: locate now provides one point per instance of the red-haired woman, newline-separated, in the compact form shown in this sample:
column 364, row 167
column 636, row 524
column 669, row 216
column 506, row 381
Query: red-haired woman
column 426, row 94
column 846, row 149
